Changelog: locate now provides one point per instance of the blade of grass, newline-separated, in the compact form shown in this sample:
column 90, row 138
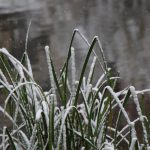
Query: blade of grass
column 126, row 98
column 11, row 140
column 83, row 70
column 65, row 68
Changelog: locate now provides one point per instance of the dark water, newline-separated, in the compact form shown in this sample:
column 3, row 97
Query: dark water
column 123, row 27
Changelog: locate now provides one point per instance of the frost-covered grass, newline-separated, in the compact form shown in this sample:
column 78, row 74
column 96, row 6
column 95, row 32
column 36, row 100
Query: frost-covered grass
column 73, row 114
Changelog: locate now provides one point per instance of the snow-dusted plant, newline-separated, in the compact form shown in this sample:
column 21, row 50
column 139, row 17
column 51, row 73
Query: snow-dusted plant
column 73, row 114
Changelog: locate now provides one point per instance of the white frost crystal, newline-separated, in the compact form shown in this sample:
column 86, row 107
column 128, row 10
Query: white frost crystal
column 108, row 146
column 38, row 114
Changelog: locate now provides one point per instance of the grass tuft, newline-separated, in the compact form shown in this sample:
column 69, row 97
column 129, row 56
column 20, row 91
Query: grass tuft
column 72, row 114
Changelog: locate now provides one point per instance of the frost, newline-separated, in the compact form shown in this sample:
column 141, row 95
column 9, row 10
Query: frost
column 46, row 111
column 25, row 139
column 3, row 50
column 4, row 78
column 89, row 89
column 91, row 71
column 119, row 104
column 17, row 64
column 73, row 69
column 101, row 78
column 95, row 89
column 84, row 84
column 38, row 115
column 43, row 120
column 139, row 111
column 3, row 138
column 51, row 76
column 84, row 116
column 14, row 62
column 108, row 146
column 133, row 141
column 64, row 139
column 32, row 139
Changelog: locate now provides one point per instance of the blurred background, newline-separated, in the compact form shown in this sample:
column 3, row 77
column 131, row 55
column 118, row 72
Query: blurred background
column 122, row 25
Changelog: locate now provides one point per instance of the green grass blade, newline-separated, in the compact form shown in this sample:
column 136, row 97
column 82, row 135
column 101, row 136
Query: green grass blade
column 65, row 68
column 12, row 144
column 83, row 70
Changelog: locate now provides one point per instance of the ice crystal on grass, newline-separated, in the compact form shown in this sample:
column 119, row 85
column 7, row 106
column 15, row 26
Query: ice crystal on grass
column 108, row 146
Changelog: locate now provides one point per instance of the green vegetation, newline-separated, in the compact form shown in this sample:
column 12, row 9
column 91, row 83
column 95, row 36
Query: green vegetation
column 73, row 114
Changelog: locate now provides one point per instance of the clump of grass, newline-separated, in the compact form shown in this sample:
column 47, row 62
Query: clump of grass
column 38, row 121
